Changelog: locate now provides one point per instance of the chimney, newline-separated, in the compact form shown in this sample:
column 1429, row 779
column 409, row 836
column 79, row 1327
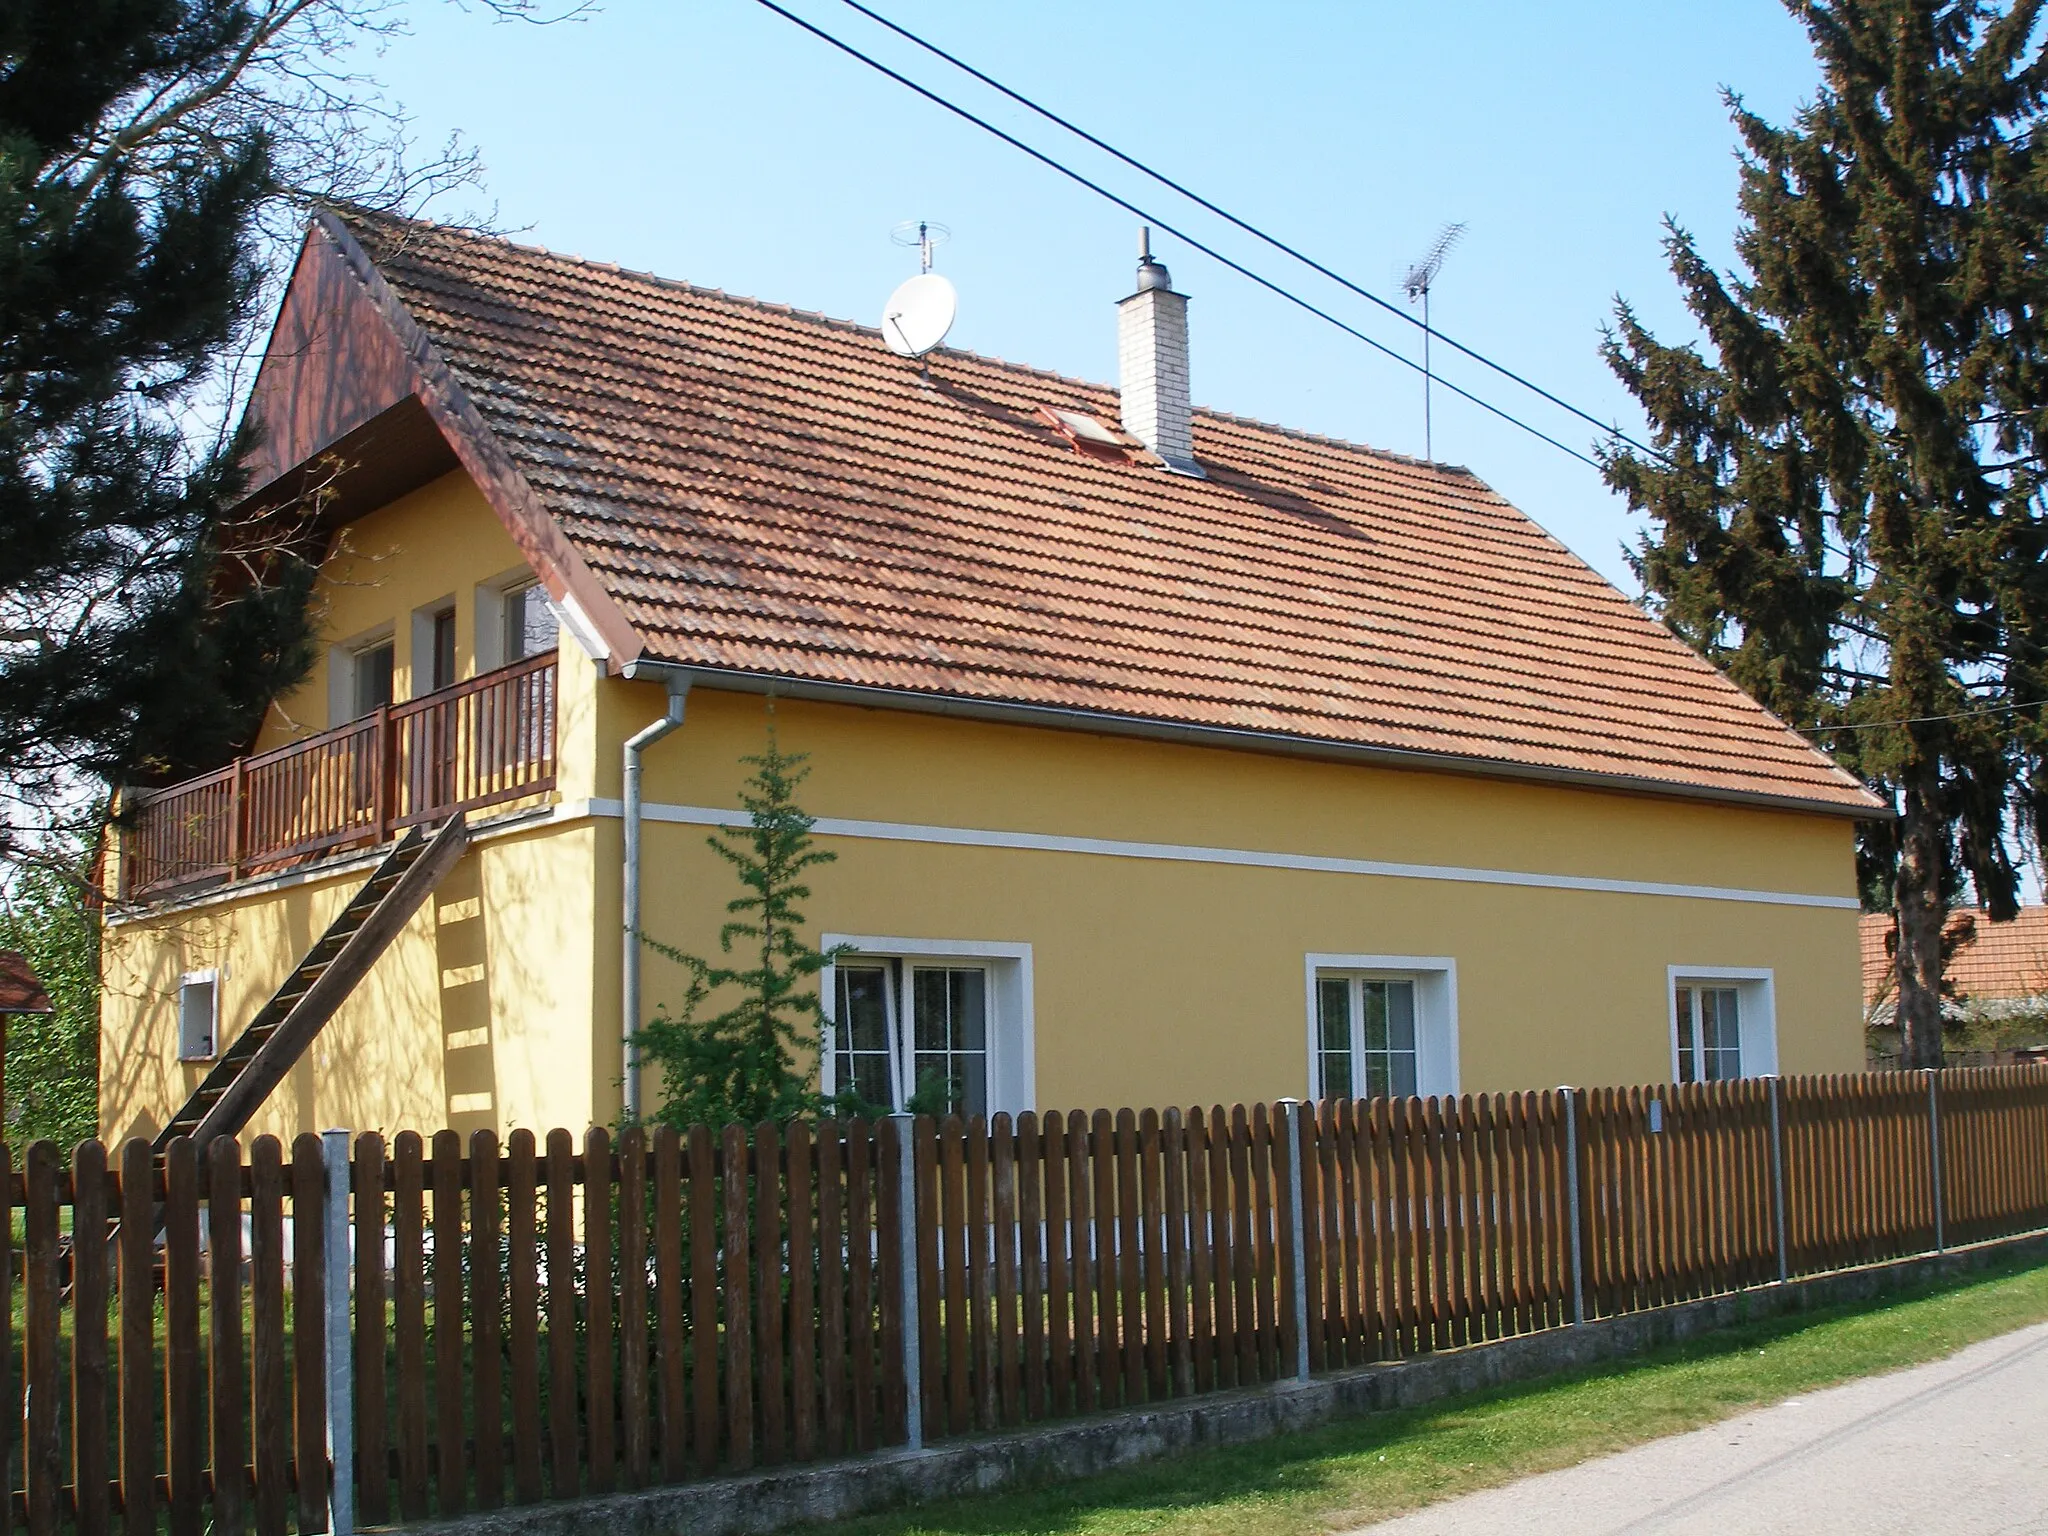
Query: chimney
column 1152, row 364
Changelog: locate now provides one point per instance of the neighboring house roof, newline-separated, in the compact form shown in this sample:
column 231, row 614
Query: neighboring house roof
column 741, row 488
column 21, row 990
column 1993, row 962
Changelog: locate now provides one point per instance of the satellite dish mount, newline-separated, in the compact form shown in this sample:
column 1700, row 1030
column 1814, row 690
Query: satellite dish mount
column 921, row 310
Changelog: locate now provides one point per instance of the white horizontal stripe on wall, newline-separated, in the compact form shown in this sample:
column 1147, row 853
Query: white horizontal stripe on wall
column 1180, row 853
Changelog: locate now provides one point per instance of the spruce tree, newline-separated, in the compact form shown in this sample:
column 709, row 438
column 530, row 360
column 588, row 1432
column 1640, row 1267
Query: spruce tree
column 747, row 1063
column 1847, row 515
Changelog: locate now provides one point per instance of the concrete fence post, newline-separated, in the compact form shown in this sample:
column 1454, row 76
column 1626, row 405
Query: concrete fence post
column 1934, row 1158
column 340, row 1339
column 906, row 1266
column 1298, row 1241
column 1778, row 1177
column 1572, row 1196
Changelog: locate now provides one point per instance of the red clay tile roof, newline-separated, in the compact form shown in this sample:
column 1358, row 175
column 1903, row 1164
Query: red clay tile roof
column 21, row 990
column 774, row 493
column 1998, row 960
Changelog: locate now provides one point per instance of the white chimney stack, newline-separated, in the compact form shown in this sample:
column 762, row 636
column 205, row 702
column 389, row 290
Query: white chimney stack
column 1152, row 364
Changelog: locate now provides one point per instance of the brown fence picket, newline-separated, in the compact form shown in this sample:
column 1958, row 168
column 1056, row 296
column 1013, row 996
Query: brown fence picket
column 42, row 1308
column 865, row 1241
column 1059, row 1274
column 184, row 1368
column 270, row 1418
column 1129, row 1252
column 1201, row 1255
column 1033, row 1230
column 91, row 1513
column 833, row 1259
column 1081, row 1282
column 773, row 1444
column 924, row 1219
column 522, row 1216
column 451, row 1367
column 980, row 1277
column 139, row 1439
column 601, row 1407
column 1008, row 1324
column 226, row 1356
column 684, row 1424
column 739, row 1338
column 636, row 1423
column 309, row 1343
column 1178, row 1274
column 563, row 1461
column 892, row 1149
column 486, row 1298
column 802, row 1323
column 1151, row 1207
column 373, row 1441
column 409, row 1319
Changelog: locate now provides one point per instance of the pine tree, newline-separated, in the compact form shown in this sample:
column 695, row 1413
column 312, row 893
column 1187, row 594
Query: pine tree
column 741, row 1066
column 156, row 160
column 1847, row 514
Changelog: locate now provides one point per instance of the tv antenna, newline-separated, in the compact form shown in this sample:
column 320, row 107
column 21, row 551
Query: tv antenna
column 921, row 310
column 1420, row 279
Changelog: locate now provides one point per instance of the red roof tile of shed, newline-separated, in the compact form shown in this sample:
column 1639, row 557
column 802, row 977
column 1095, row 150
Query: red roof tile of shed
column 21, row 990
column 768, row 492
column 1994, row 961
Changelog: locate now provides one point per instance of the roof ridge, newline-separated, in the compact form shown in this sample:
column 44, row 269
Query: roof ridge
column 834, row 322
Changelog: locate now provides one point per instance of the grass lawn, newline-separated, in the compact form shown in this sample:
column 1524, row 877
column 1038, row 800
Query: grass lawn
column 1351, row 1473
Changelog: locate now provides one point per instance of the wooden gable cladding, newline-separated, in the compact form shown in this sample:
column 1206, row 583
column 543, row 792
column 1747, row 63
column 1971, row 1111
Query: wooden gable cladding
column 333, row 366
column 355, row 403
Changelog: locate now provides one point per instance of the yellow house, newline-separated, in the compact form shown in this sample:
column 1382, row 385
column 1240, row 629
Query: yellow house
column 1168, row 757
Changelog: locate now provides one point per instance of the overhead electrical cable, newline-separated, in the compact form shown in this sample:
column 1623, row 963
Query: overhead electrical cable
column 1606, row 427
column 1182, row 235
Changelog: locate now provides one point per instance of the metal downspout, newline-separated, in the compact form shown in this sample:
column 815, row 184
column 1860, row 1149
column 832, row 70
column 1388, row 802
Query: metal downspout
column 629, row 974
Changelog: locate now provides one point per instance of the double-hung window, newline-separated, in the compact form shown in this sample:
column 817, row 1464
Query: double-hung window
column 1365, row 1030
column 932, row 1026
column 1722, row 1025
column 1382, row 1026
column 913, row 1033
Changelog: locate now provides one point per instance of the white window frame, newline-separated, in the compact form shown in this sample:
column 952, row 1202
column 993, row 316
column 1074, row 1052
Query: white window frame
column 209, row 979
column 1012, row 1034
column 342, row 660
column 488, row 644
column 1436, row 1013
column 1756, row 998
column 422, row 670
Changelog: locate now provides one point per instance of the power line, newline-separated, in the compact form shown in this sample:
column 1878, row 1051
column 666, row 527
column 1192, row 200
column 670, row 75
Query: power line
column 1961, row 714
column 1152, row 218
column 1251, row 229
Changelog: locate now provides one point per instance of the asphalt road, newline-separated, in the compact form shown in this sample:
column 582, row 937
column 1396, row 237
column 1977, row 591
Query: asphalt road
column 1960, row 1445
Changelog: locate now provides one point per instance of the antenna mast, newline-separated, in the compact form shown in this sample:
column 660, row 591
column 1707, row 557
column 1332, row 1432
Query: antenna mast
column 1420, row 279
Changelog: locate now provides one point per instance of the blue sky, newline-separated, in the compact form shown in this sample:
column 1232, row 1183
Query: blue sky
column 713, row 141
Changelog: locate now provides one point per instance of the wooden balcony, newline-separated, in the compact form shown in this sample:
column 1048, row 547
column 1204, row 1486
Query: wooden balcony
column 477, row 744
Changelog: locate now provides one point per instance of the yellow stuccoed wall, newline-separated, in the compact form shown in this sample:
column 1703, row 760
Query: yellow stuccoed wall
column 1175, row 982
column 439, row 543
column 1155, row 981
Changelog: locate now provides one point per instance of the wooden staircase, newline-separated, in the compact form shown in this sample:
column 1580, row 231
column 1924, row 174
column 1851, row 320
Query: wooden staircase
column 249, row 1070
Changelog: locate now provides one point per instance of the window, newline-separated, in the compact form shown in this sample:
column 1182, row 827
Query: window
column 529, row 622
column 940, row 1050
column 372, row 669
column 198, row 1014
column 442, row 640
column 946, row 1026
column 1381, row 1025
column 1368, row 1037
column 1722, row 1024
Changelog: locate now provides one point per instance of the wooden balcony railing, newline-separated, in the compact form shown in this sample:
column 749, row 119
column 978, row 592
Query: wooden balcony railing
column 479, row 743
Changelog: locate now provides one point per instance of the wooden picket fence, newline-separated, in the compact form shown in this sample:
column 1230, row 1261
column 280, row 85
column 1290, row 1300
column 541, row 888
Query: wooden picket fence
column 540, row 1320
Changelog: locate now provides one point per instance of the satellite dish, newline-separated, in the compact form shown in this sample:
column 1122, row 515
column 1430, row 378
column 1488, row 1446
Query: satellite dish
column 919, row 314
